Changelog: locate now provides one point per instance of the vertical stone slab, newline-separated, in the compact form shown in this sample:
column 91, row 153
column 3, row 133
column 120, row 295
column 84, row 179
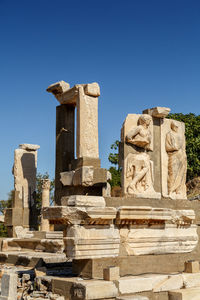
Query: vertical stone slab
column 87, row 125
column 9, row 286
column 156, row 154
column 137, row 168
column 24, row 171
column 64, row 144
column 173, row 159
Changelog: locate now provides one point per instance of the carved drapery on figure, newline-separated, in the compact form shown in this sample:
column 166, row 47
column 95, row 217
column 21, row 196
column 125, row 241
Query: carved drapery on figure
column 177, row 162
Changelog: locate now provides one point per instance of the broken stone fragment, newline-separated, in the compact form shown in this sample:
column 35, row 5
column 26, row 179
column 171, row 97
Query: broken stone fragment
column 66, row 178
column 157, row 112
column 58, row 88
column 92, row 89
column 29, row 147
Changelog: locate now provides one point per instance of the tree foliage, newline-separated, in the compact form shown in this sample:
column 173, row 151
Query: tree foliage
column 116, row 170
column 3, row 205
column 192, row 134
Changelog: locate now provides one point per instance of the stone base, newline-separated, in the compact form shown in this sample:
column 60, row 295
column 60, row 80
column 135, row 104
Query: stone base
column 135, row 265
column 143, row 287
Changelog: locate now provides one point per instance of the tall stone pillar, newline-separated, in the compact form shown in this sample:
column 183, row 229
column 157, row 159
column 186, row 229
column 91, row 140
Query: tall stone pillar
column 23, row 214
column 78, row 169
column 46, row 184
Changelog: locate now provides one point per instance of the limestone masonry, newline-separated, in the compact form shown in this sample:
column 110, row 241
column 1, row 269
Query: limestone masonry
column 143, row 245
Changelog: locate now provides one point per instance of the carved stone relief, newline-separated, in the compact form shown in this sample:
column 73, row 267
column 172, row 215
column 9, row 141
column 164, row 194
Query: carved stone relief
column 137, row 135
column 174, row 160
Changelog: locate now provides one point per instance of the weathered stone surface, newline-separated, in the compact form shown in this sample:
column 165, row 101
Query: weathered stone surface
column 87, row 201
column 87, row 125
column 29, row 147
column 192, row 267
column 25, row 176
column 155, row 214
column 157, row 239
column 157, row 112
column 67, row 177
column 58, row 88
column 111, row 273
column 79, row 215
column 173, row 282
column 48, row 235
column 92, row 89
column 91, row 290
column 46, row 185
column 84, row 242
column 135, row 284
column 137, row 167
column 30, row 244
column 173, row 159
column 185, row 294
column 84, row 176
column 191, row 280
column 9, row 286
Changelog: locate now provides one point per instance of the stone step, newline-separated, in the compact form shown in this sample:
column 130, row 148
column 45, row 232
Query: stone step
column 185, row 294
column 157, row 282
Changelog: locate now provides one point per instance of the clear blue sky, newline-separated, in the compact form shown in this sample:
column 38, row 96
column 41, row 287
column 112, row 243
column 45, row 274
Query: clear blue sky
column 143, row 53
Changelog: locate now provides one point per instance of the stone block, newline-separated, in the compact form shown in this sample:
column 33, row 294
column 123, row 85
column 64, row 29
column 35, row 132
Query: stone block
column 63, row 286
column 192, row 267
column 79, row 215
column 87, row 201
column 85, row 242
column 111, row 273
column 86, row 161
column 136, row 284
column 92, row 89
column 173, row 282
column 84, row 176
column 67, row 177
column 191, row 280
column 94, row 289
column 58, row 88
column 9, row 285
column 157, row 112
column 185, row 294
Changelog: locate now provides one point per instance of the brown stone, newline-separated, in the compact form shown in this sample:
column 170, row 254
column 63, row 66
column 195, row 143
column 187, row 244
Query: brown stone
column 111, row 273
column 192, row 267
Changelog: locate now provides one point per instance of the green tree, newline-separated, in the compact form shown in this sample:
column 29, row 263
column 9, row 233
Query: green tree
column 3, row 205
column 116, row 170
column 192, row 134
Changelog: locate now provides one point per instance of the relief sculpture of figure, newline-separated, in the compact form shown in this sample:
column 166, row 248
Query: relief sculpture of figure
column 139, row 167
column 177, row 162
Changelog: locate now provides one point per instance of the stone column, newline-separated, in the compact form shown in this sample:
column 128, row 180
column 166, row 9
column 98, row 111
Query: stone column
column 45, row 202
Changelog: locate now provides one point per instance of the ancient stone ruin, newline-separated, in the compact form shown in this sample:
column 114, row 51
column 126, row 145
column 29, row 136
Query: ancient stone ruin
column 143, row 245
